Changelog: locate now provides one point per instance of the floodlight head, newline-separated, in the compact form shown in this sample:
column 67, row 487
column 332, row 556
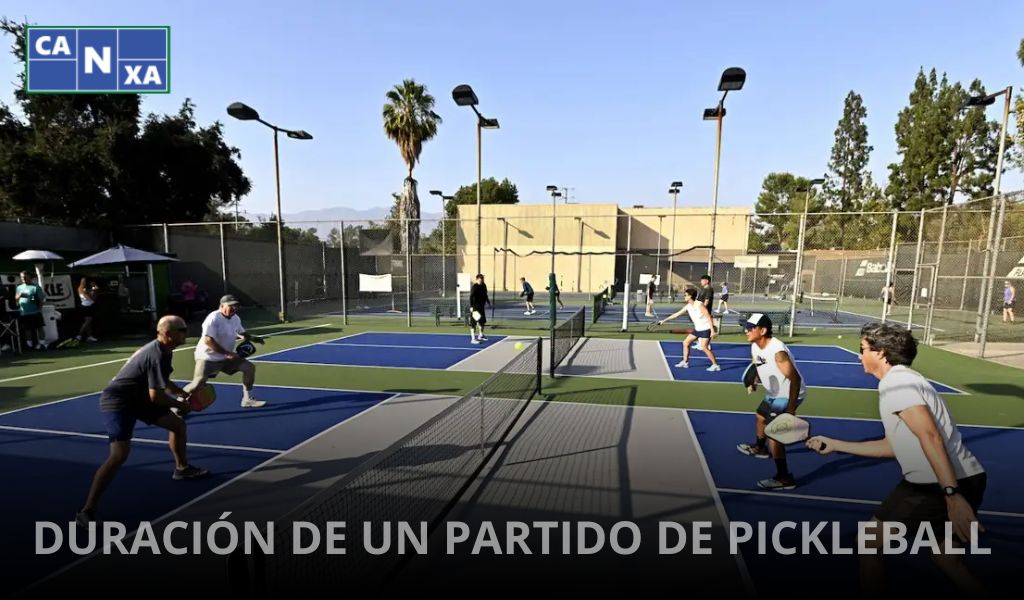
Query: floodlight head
column 299, row 134
column 732, row 80
column 817, row 182
column 979, row 101
column 243, row 112
column 551, row 188
column 436, row 192
column 464, row 96
column 677, row 184
column 712, row 114
column 486, row 123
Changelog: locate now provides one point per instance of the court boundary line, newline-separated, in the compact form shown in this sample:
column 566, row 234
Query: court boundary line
column 836, row 499
column 261, row 356
column 197, row 499
column 57, row 432
column 110, row 362
column 399, row 346
column 474, row 355
column 741, row 564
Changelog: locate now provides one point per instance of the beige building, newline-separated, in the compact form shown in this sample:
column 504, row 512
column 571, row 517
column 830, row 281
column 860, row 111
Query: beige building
column 591, row 242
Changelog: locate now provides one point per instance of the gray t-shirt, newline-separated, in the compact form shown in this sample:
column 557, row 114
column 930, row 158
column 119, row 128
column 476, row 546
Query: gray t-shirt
column 149, row 368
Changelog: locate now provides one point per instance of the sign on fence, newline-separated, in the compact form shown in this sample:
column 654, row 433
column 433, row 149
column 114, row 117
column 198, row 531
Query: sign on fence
column 756, row 261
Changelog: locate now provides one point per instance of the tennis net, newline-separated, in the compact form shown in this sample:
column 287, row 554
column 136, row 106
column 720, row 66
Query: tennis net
column 564, row 337
column 418, row 479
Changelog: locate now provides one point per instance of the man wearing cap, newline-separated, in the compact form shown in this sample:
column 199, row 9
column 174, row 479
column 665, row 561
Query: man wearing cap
column 784, row 392
column 215, row 351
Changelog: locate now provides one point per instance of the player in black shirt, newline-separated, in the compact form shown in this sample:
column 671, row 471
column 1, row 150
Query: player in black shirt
column 478, row 300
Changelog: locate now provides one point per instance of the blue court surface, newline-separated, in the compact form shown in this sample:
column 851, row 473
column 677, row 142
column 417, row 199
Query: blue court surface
column 381, row 349
column 820, row 366
column 51, row 452
column 847, row 489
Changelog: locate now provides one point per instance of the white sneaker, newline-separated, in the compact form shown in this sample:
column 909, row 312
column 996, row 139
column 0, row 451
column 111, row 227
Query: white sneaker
column 475, row 341
column 91, row 339
column 526, row 313
column 252, row 403
column 714, row 368
column 483, row 338
column 682, row 365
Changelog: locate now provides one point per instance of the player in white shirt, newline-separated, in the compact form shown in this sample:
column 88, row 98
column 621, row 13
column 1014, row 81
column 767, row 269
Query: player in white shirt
column 215, row 352
column 784, row 391
column 942, row 480
column 703, row 330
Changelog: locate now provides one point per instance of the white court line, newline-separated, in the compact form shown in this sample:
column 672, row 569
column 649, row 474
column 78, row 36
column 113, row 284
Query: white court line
column 801, row 362
column 101, row 436
column 399, row 346
column 201, row 497
column 121, row 360
column 478, row 353
column 258, row 358
column 848, row 500
column 811, row 416
column 740, row 563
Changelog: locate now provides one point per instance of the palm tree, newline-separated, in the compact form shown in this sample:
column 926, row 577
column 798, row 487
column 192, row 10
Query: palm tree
column 410, row 120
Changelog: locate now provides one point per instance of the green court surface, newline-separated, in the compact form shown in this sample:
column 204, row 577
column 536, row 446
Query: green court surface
column 994, row 394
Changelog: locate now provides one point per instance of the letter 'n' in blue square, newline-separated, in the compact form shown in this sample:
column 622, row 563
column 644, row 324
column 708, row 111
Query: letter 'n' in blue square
column 97, row 59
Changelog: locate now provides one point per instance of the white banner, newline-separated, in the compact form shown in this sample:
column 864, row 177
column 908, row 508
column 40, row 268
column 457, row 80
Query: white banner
column 374, row 283
column 59, row 291
column 645, row 278
column 756, row 261
column 1018, row 271
column 464, row 281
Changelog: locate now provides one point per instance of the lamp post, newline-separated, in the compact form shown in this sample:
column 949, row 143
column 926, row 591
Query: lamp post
column 444, row 245
column 674, row 190
column 732, row 80
column 797, row 280
column 992, row 253
column 555, row 195
column 243, row 112
column 465, row 96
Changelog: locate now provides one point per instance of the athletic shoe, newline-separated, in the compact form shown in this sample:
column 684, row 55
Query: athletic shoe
column 754, row 450
column 474, row 341
column 533, row 312
column 776, row 483
column 84, row 517
column 252, row 403
column 483, row 338
column 91, row 339
column 714, row 368
column 526, row 313
column 682, row 365
column 190, row 472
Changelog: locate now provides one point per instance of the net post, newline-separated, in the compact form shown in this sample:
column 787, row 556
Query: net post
column 540, row 363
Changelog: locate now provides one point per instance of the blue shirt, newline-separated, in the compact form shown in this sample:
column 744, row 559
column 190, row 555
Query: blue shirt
column 31, row 300
column 148, row 369
column 527, row 288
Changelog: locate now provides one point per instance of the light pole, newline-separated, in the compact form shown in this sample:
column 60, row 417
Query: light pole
column 797, row 280
column 555, row 195
column 992, row 253
column 444, row 246
column 732, row 80
column 674, row 190
column 243, row 112
column 465, row 96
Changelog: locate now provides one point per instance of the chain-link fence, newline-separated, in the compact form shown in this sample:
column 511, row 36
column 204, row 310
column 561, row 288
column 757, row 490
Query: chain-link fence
column 938, row 271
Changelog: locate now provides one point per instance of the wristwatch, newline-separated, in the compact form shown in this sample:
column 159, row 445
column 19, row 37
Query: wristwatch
column 950, row 490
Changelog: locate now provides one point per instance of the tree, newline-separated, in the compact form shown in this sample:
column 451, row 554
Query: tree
column 334, row 238
column 844, row 189
column 1019, row 110
column 86, row 159
column 491, row 192
column 943, row 150
column 778, row 208
column 410, row 120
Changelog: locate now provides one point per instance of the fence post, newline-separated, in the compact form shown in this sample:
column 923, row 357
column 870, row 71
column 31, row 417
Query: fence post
column 890, row 269
column 625, row 288
column 167, row 245
column 341, row 248
column 797, row 280
column 408, row 274
column 967, row 273
column 223, row 260
column 917, row 261
column 935, row 277
column 984, row 270
column 992, row 276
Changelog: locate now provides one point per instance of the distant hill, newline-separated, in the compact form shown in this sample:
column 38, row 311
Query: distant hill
column 329, row 217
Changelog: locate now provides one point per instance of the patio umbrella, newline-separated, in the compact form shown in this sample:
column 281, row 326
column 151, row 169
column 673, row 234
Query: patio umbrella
column 126, row 255
column 39, row 257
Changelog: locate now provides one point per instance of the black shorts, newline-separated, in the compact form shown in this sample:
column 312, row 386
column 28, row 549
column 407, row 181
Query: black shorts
column 121, row 422
column 88, row 311
column 31, row 321
column 483, row 318
column 529, row 297
column 916, row 503
column 1009, row 305
column 725, row 297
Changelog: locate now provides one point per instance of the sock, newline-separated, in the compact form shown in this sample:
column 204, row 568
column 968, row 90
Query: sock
column 782, row 469
column 245, row 394
column 472, row 334
column 762, row 442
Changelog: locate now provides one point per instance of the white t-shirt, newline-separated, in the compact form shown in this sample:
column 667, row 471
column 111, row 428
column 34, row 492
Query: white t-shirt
column 223, row 330
column 776, row 385
column 902, row 388
column 700, row 322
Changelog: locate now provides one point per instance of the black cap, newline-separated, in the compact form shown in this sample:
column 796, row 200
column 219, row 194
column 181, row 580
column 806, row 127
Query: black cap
column 758, row 320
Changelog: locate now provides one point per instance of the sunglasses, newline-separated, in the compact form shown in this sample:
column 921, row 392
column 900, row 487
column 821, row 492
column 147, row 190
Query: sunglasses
column 180, row 329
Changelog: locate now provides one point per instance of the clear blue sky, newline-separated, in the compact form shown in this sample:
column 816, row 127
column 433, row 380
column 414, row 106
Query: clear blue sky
column 601, row 96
